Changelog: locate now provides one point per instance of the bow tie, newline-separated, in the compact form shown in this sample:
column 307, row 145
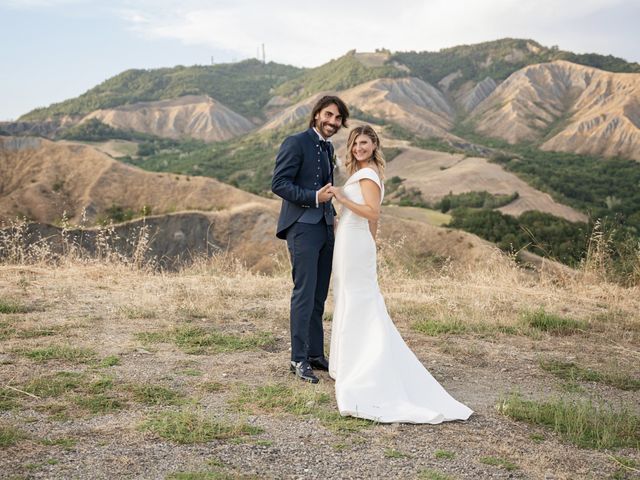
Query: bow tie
column 324, row 145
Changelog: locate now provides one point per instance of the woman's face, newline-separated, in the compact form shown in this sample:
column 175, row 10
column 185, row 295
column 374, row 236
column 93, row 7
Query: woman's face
column 363, row 148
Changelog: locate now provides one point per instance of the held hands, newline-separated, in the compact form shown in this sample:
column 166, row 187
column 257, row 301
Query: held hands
column 337, row 194
column 325, row 194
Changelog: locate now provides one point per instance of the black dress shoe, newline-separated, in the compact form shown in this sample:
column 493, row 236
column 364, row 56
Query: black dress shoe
column 303, row 370
column 319, row 363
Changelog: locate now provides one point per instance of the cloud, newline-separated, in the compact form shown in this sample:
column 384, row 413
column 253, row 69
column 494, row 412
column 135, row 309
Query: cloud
column 313, row 34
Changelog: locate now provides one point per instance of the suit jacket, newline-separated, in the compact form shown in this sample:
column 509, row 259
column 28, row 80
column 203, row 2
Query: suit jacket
column 302, row 168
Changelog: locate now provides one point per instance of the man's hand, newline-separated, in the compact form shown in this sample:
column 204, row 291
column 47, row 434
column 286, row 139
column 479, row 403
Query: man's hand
column 324, row 195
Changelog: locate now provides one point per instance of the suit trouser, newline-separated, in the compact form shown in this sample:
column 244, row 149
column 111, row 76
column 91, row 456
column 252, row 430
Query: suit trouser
column 311, row 250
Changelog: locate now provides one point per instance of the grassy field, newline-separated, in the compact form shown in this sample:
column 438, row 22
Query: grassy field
column 111, row 371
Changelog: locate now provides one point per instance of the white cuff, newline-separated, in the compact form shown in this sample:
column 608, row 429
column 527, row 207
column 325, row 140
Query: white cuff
column 317, row 204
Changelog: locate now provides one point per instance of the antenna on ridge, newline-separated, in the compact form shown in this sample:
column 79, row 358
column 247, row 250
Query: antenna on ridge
column 264, row 61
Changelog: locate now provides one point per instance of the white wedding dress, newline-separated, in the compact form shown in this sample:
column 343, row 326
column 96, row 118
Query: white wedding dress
column 377, row 376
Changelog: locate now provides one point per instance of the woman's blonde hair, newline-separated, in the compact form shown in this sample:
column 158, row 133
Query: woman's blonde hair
column 351, row 163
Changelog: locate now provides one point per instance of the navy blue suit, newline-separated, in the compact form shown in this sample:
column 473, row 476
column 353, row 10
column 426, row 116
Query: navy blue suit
column 303, row 166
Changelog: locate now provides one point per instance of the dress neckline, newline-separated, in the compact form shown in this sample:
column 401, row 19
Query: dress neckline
column 364, row 168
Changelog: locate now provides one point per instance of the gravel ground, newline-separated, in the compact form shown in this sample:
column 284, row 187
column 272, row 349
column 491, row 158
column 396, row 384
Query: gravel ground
column 104, row 310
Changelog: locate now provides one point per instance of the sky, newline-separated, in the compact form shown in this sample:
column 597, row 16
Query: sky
column 52, row 50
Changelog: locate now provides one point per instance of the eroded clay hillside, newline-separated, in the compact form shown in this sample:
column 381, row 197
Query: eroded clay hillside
column 42, row 180
column 190, row 116
column 567, row 107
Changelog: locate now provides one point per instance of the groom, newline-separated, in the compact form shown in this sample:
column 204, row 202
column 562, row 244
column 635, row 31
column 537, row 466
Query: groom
column 302, row 177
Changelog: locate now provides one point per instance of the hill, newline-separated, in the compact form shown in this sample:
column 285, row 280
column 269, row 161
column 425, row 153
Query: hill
column 550, row 132
column 44, row 181
column 244, row 87
column 496, row 59
column 437, row 174
column 184, row 217
column 565, row 107
column 410, row 102
column 340, row 74
column 198, row 117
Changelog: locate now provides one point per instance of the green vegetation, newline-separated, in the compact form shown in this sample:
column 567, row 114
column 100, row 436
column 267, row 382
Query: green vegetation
column 578, row 421
column 188, row 426
column 497, row 59
column 280, row 398
column 99, row 403
column 626, row 470
column 554, row 324
column 118, row 214
column 392, row 184
column 432, row 327
column 212, row 387
column 10, row 435
column 245, row 87
column 401, row 133
column 481, row 199
column 499, row 462
column 602, row 187
column 93, row 130
column 198, row 340
column 431, row 474
column 11, row 306
column 204, row 476
column 575, row 373
column 539, row 232
column 359, row 116
column 64, row 442
column 8, row 399
column 606, row 189
column 393, row 453
column 156, row 395
column 246, row 162
column 444, row 454
column 339, row 74
column 110, row 361
column 59, row 352
column 54, row 385
column 391, row 153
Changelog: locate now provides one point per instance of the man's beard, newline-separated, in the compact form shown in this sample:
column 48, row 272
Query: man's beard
column 324, row 131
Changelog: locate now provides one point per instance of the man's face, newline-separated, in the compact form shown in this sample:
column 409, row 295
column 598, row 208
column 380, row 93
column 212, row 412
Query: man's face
column 328, row 120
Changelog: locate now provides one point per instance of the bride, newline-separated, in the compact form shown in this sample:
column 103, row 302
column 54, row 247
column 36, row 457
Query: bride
column 377, row 376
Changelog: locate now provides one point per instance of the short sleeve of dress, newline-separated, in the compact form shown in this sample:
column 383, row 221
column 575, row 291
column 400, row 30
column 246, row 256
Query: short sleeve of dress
column 368, row 173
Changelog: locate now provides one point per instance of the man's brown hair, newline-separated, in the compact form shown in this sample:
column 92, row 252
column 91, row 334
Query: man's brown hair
column 325, row 102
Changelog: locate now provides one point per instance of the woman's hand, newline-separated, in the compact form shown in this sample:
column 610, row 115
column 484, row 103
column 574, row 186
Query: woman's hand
column 337, row 193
